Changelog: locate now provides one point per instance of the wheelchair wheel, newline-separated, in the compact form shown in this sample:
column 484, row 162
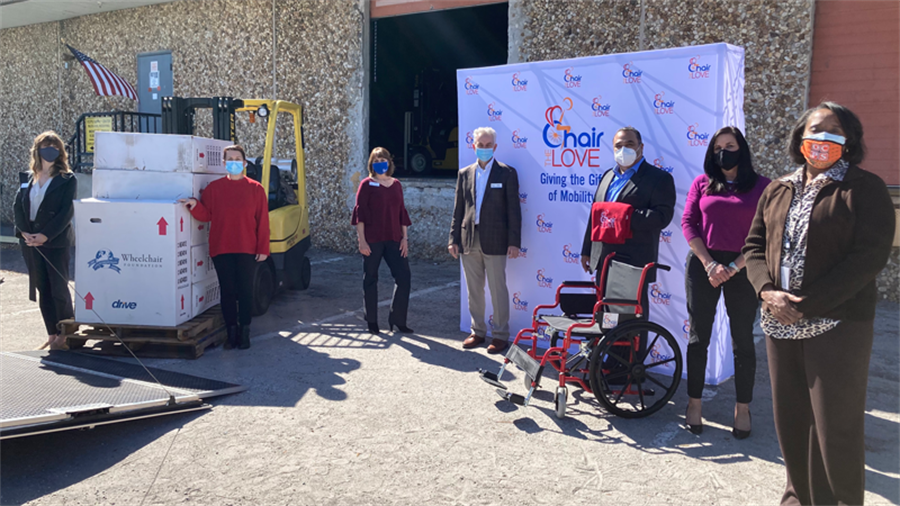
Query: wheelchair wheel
column 561, row 395
column 632, row 384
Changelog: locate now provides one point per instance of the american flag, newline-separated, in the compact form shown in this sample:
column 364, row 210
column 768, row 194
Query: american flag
column 105, row 81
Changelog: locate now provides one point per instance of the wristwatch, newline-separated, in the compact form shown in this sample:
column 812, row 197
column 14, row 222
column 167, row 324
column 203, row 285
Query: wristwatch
column 734, row 266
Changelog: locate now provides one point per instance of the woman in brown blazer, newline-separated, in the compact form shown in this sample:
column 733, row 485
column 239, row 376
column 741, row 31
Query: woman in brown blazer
column 820, row 236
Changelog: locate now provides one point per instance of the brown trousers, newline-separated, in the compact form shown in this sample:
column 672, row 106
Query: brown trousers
column 819, row 400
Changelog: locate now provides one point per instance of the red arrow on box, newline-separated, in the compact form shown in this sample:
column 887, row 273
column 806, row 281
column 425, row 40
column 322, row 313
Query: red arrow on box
column 181, row 223
column 200, row 263
column 182, row 302
column 89, row 301
column 162, row 226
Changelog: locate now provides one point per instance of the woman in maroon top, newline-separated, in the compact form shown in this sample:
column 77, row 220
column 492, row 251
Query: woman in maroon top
column 717, row 215
column 381, row 224
column 238, row 211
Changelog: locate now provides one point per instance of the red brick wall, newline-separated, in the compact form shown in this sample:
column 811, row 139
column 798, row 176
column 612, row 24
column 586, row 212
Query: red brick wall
column 856, row 63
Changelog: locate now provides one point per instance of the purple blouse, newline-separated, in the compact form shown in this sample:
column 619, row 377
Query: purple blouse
column 723, row 220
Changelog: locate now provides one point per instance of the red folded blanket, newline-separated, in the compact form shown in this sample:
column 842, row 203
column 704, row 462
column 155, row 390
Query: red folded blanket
column 611, row 222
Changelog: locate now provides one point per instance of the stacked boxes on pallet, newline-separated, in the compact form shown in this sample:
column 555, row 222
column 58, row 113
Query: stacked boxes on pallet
column 141, row 259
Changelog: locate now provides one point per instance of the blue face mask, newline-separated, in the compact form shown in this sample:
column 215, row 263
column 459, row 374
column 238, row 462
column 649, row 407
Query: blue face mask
column 234, row 167
column 484, row 154
column 380, row 167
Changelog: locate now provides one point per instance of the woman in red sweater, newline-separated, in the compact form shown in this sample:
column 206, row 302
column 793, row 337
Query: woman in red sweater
column 381, row 223
column 238, row 211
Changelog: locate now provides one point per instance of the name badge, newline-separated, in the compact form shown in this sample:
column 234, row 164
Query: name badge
column 496, row 185
column 374, row 183
column 785, row 278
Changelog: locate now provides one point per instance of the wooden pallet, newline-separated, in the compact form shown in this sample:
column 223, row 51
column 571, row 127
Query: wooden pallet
column 188, row 340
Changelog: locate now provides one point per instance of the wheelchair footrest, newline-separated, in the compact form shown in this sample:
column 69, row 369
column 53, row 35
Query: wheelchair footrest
column 511, row 397
column 491, row 379
column 521, row 358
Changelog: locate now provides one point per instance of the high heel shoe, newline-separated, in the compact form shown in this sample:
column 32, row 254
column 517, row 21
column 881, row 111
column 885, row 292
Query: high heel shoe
column 694, row 429
column 403, row 329
column 742, row 434
column 373, row 328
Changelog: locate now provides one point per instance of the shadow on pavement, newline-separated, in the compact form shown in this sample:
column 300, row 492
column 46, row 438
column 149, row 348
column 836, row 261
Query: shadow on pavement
column 35, row 466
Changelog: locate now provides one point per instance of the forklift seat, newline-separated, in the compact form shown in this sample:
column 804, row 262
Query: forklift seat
column 280, row 192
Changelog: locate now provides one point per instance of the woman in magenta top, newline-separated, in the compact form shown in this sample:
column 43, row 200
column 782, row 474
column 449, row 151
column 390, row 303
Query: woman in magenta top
column 717, row 215
column 238, row 211
column 381, row 224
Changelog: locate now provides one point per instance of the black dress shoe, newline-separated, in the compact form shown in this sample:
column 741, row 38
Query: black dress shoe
column 245, row 338
column 232, row 340
column 373, row 328
column 742, row 434
column 695, row 429
column 403, row 329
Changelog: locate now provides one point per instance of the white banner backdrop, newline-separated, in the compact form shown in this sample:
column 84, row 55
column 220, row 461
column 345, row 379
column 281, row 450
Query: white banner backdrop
column 555, row 122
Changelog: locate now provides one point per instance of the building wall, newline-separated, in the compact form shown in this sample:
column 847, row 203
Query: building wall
column 219, row 47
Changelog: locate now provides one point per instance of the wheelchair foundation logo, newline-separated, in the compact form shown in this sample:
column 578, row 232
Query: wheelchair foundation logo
column 518, row 141
column 630, row 74
column 570, row 79
column 543, row 281
column 518, row 303
column 518, row 83
column 470, row 140
column 659, row 296
column 557, row 134
column 568, row 256
column 599, row 109
column 686, row 329
column 660, row 163
column 698, row 70
column 696, row 138
column 470, row 86
column 544, row 227
column 665, row 237
column 523, row 252
column 493, row 113
column 104, row 259
column 523, row 198
column 661, row 105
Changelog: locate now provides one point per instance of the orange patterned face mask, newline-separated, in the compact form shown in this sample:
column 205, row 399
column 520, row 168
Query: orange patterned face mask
column 822, row 150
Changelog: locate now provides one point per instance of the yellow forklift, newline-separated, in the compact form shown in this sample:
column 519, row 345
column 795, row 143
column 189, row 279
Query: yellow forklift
column 289, row 237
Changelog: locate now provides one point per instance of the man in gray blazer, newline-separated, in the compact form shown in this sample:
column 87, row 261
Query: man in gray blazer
column 486, row 228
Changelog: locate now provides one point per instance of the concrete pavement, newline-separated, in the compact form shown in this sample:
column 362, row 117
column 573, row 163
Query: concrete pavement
column 334, row 415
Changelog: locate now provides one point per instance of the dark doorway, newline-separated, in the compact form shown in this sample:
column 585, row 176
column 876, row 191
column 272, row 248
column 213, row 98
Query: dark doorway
column 413, row 111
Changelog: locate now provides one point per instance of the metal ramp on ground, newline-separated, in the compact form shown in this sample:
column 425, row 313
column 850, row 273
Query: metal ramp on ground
column 51, row 391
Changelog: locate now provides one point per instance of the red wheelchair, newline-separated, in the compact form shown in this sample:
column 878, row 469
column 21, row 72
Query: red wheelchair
column 601, row 342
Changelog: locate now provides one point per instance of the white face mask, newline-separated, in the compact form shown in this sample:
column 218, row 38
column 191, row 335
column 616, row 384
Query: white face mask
column 625, row 157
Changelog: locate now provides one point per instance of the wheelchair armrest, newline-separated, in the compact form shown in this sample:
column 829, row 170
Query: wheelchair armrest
column 663, row 267
column 620, row 302
column 583, row 284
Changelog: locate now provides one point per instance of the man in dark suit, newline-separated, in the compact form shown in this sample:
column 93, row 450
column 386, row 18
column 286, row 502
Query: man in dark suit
column 650, row 191
column 486, row 228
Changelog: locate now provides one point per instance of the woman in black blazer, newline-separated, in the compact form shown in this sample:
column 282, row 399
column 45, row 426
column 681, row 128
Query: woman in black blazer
column 44, row 226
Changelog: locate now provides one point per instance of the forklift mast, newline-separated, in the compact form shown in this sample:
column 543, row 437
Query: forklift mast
column 178, row 115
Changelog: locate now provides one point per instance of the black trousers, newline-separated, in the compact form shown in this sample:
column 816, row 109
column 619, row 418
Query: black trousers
column 235, row 273
column 741, row 304
column 53, row 286
column 819, row 403
column 390, row 251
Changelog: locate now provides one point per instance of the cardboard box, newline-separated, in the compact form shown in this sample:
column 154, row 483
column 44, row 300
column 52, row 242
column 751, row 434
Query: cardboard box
column 199, row 232
column 202, row 267
column 141, row 185
column 158, row 152
column 132, row 262
column 205, row 295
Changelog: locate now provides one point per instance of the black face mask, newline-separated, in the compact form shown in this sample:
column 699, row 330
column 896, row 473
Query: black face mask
column 727, row 160
column 49, row 153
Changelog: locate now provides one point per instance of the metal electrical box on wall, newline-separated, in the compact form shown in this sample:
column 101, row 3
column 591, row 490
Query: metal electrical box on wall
column 155, row 80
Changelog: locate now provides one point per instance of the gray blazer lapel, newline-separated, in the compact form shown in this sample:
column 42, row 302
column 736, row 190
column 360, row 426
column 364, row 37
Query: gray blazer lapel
column 605, row 181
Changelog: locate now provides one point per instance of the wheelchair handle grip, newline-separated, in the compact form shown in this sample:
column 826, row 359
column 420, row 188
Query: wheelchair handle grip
column 663, row 267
